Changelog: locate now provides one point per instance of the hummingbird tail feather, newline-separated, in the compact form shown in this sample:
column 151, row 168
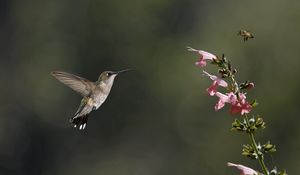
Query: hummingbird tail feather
column 79, row 121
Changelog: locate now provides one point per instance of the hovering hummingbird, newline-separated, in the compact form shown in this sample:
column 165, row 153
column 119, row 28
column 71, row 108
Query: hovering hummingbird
column 94, row 93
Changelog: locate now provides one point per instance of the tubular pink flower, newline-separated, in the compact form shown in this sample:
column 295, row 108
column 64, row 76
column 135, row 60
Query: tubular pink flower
column 241, row 106
column 212, row 89
column 228, row 98
column 215, row 78
column 203, row 56
column 216, row 82
column 243, row 169
column 201, row 63
column 219, row 105
column 238, row 105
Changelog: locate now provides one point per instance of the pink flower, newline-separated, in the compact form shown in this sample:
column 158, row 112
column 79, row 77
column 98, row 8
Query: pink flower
column 203, row 56
column 241, row 106
column 228, row 98
column 243, row 169
column 216, row 82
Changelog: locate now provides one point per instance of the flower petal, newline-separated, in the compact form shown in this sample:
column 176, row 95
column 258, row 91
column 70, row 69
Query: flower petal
column 232, row 98
column 219, row 81
column 212, row 89
column 219, row 105
column 224, row 98
column 201, row 63
column 207, row 55
column 240, row 106
column 243, row 169
column 222, row 83
column 212, row 77
column 203, row 56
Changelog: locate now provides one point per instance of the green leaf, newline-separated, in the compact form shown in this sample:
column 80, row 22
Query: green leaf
column 254, row 103
column 259, row 123
column 249, row 152
column 238, row 126
column 268, row 148
column 282, row 172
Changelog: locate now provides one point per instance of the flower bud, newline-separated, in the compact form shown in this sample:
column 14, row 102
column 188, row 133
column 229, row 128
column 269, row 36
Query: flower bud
column 268, row 148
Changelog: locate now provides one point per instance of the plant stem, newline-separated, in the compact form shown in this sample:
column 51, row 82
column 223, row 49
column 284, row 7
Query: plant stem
column 254, row 145
column 236, row 90
column 234, row 84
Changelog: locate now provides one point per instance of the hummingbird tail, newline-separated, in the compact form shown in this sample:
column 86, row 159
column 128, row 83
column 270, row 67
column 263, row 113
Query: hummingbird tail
column 79, row 121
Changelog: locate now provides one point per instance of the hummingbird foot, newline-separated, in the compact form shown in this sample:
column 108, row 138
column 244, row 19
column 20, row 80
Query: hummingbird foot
column 94, row 108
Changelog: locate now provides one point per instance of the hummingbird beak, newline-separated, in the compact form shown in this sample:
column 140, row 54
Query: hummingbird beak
column 121, row 71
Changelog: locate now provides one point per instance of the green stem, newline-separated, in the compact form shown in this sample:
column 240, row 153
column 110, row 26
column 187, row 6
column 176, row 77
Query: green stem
column 254, row 145
column 234, row 84
column 236, row 90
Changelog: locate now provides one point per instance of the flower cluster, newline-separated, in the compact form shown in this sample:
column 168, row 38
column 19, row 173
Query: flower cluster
column 236, row 99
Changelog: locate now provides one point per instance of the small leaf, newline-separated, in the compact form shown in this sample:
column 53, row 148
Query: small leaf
column 268, row 148
column 224, row 59
column 259, row 123
column 254, row 103
column 238, row 126
column 282, row 172
column 248, row 151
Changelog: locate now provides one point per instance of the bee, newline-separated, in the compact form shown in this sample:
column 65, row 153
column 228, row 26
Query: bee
column 245, row 34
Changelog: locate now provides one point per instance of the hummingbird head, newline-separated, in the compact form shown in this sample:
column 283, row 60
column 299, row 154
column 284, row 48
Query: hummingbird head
column 109, row 76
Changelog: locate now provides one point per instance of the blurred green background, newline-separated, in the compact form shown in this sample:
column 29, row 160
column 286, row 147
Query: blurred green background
column 158, row 120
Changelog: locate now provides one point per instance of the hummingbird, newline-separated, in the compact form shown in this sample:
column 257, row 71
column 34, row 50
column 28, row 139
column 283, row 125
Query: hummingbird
column 94, row 93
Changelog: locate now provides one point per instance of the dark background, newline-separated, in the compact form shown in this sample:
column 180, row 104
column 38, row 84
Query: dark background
column 158, row 120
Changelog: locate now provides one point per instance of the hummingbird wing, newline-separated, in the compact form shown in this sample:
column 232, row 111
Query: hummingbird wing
column 78, row 84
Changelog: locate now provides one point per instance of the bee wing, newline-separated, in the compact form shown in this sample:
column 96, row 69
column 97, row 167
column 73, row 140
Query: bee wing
column 239, row 32
column 78, row 84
